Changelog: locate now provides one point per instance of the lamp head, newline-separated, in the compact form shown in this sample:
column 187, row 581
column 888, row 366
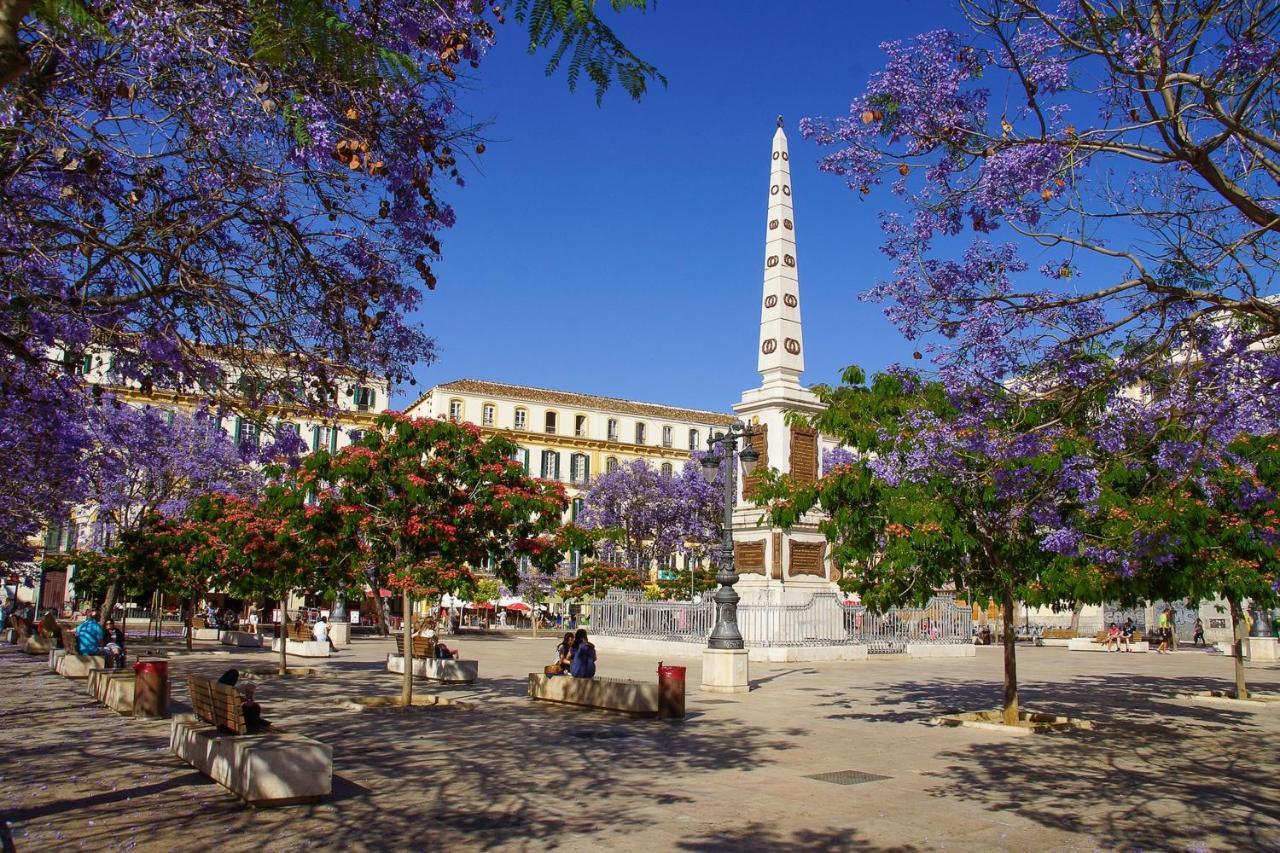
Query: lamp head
column 710, row 467
column 749, row 458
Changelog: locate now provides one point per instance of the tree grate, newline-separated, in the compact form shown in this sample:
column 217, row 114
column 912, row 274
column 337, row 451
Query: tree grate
column 847, row 777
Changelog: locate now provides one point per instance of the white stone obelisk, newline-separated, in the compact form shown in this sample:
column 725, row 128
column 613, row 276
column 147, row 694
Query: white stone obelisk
column 780, row 566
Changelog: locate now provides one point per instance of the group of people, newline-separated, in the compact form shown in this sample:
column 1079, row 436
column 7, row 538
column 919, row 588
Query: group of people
column 107, row 640
column 575, row 656
column 1123, row 635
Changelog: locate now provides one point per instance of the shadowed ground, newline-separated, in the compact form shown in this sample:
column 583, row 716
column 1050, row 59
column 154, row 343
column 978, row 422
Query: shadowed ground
column 1157, row 773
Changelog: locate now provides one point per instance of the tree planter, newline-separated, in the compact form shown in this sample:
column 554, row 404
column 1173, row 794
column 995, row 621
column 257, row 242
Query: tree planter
column 1228, row 699
column 1029, row 722
column 383, row 703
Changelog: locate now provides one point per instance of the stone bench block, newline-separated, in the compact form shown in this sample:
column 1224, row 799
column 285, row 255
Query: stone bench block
column 448, row 671
column 113, row 688
column 214, row 634
column 244, row 639
column 55, row 657
column 275, row 768
column 303, row 648
column 1086, row 644
column 34, row 645
column 610, row 694
column 78, row 666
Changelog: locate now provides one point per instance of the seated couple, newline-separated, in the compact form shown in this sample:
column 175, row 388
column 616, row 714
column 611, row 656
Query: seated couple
column 575, row 656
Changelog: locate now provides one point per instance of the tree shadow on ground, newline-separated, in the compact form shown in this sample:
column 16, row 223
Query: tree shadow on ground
column 759, row 836
column 1155, row 773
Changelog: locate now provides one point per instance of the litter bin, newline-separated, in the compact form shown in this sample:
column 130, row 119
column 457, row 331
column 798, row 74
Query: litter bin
column 670, row 692
column 151, row 688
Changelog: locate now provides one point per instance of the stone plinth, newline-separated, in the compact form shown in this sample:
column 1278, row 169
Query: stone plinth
column 340, row 633
column 725, row 671
column 214, row 634
column 1262, row 649
column 435, row 669
column 245, row 639
column 272, row 769
column 610, row 694
column 303, row 648
column 113, row 688
column 55, row 657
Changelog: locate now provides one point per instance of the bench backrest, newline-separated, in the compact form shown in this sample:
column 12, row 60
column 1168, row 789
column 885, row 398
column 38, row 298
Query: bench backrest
column 423, row 647
column 69, row 642
column 300, row 632
column 218, row 704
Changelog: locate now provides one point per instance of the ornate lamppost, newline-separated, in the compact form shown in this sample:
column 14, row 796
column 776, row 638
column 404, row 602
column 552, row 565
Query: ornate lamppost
column 722, row 448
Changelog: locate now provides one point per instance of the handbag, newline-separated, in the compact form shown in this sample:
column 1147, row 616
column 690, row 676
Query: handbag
column 553, row 669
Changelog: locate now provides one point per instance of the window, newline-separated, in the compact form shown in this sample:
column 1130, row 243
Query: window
column 666, row 470
column 455, row 410
column 693, row 439
column 324, row 438
column 639, row 433
column 575, row 509
column 613, row 429
column 522, row 418
column 550, row 465
column 550, row 421
column 355, row 435
column 246, row 433
column 611, row 464
column 580, row 426
column 521, row 455
column 365, row 397
column 283, row 429
column 666, row 436
column 575, row 562
column 487, row 413
column 579, row 468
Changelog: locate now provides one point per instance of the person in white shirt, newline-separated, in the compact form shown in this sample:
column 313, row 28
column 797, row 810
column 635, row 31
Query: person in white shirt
column 321, row 632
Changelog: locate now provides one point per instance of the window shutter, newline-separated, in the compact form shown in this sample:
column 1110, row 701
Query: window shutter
column 586, row 468
column 526, row 460
column 315, row 438
column 333, row 439
column 373, row 398
column 239, row 428
column 555, row 465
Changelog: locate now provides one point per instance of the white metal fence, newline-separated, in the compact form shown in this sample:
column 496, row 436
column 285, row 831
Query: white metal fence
column 822, row 621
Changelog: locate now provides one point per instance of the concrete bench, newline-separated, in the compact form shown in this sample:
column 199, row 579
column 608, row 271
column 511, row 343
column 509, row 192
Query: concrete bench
column 303, row 648
column 35, row 645
column 267, row 768
column 244, row 639
column 78, row 666
column 438, row 669
column 609, row 694
column 1089, row 644
column 113, row 688
column 214, row 634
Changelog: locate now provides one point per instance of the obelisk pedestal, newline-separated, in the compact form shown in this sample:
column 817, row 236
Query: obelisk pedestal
column 725, row 671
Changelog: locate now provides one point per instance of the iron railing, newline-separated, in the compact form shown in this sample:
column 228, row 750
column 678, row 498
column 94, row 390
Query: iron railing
column 821, row 621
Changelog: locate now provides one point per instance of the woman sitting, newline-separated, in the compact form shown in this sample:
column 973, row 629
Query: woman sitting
column 113, row 649
column 584, row 656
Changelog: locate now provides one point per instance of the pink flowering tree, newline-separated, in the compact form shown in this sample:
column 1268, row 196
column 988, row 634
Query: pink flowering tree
column 430, row 499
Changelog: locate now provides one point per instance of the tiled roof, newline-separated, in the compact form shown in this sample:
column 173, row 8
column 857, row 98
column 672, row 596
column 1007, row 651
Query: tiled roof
column 583, row 401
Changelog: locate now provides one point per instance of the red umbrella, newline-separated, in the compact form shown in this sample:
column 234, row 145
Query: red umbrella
column 519, row 605
column 484, row 605
column 385, row 593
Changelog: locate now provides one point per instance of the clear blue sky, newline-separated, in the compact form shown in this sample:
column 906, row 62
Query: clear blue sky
column 619, row 249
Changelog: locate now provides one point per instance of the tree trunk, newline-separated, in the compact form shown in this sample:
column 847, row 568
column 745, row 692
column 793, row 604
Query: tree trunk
column 1076, row 608
column 189, row 610
column 406, row 683
column 283, row 634
column 1010, row 709
column 13, row 60
column 1237, row 645
column 109, row 603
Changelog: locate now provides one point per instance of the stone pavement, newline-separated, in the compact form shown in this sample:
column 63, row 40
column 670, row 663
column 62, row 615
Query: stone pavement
column 1157, row 773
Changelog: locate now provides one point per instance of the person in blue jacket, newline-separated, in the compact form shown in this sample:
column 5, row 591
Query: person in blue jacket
column 584, row 656
column 89, row 635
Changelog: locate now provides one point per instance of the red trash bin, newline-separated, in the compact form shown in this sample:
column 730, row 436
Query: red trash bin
column 151, row 687
column 670, row 692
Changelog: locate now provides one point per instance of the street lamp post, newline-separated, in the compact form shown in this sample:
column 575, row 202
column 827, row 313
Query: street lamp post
column 725, row 634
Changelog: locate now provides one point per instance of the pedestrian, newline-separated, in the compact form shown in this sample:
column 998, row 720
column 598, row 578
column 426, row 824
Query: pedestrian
column 114, row 647
column 584, row 656
column 1198, row 639
column 321, row 632
column 253, row 618
column 89, row 635
column 1162, row 627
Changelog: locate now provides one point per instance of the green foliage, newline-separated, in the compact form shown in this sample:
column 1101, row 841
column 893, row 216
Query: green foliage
column 596, row 579
column 68, row 16
column 296, row 32
column 591, row 46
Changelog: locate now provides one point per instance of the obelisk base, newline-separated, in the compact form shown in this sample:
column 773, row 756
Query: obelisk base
column 724, row 671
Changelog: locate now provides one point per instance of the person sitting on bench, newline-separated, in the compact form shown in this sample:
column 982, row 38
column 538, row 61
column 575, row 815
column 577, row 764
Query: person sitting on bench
column 584, row 656
column 114, row 651
column 249, row 706
column 89, row 636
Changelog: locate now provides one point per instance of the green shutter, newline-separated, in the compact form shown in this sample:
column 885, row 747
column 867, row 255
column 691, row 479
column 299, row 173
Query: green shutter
column 586, row 468
column 315, row 438
column 373, row 398
column 239, row 427
column 333, row 439
column 526, row 460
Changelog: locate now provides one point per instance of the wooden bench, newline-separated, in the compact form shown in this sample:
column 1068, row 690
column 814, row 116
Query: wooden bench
column 266, row 768
column 423, row 647
column 1058, row 634
column 609, row 694
column 1098, row 643
column 300, row 633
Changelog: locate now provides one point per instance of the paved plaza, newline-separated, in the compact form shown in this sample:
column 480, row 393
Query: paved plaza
column 736, row 774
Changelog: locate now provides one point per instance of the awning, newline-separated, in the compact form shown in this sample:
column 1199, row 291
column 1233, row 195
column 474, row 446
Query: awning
column 483, row 605
column 849, row 602
column 384, row 593
column 519, row 605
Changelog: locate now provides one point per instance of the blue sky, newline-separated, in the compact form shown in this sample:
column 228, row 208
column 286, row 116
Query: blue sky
column 619, row 249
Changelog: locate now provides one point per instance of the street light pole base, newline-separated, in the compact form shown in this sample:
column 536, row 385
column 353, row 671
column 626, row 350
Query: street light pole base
column 725, row 671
